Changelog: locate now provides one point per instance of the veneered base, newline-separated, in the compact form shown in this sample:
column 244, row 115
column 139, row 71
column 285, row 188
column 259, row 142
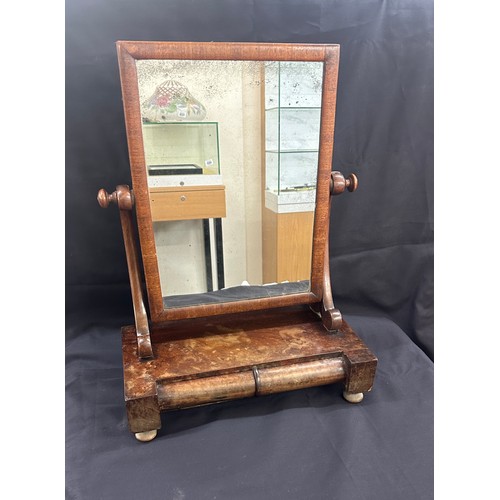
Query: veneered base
column 209, row 360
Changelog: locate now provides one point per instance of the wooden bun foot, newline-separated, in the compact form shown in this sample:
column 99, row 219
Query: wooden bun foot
column 146, row 436
column 356, row 397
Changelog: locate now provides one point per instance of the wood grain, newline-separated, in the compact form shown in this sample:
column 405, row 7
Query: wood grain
column 295, row 237
column 287, row 246
column 216, row 352
column 269, row 245
column 128, row 53
column 230, row 51
column 124, row 198
column 240, row 355
column 187, row 203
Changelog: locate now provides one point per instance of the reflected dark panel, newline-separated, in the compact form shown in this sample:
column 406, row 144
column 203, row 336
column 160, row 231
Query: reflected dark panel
column 236, row 293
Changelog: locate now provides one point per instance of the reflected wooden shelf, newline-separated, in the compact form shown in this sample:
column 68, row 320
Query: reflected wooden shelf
column 187, row 202
column 286, row 245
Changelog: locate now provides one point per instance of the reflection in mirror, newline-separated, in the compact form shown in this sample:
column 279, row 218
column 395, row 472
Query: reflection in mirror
column 231, row 151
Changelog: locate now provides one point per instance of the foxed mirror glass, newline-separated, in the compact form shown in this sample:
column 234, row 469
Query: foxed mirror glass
column 231, row 154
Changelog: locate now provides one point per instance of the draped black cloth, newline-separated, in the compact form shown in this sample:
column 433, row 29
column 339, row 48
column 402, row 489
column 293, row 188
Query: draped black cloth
column 308, row 444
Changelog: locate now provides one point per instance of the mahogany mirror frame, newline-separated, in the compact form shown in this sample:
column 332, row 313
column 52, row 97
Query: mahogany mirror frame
column 131, row 51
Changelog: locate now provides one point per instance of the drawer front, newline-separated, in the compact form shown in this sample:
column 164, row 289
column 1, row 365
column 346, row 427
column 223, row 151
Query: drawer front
column 188, row 203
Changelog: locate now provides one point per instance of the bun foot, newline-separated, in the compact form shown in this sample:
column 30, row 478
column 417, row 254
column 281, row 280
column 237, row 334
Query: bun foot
column 356, row 397
column 146, row 436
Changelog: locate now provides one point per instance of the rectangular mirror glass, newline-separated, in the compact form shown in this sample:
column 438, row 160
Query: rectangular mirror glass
column 231, row 151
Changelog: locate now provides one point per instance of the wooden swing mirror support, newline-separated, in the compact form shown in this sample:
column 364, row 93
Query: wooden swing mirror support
column 229, row 341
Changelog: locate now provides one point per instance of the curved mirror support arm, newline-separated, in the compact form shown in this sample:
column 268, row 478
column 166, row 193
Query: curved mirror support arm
column 124, row 198
column 330, row 315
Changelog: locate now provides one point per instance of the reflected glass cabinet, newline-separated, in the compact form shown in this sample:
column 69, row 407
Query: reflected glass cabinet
column 292, row 100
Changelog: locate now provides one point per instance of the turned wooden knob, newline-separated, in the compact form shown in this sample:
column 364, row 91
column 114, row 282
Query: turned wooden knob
column 104, row 198
column 123, row 197
column 339, row 183
column 351, row 183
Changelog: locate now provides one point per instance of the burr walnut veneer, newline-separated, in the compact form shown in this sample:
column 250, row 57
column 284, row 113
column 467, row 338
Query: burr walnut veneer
column 213, row 351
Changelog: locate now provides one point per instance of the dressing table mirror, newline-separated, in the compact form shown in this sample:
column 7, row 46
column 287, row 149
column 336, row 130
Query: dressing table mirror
column 230, row 150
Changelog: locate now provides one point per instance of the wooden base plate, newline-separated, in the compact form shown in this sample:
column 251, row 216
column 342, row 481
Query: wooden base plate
column 209, row 360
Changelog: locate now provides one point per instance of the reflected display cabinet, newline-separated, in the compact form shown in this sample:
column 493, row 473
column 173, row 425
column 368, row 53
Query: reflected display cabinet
column 230, row 149
column 292, row 114
column 292, row 125
column 180, row 149
column 187, row 197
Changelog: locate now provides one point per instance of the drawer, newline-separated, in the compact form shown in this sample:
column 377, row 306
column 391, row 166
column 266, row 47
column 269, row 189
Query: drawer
column 185, row 203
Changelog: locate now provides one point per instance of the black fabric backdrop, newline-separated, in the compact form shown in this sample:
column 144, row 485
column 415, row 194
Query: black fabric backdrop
column 382, row 236
column 381, row 256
